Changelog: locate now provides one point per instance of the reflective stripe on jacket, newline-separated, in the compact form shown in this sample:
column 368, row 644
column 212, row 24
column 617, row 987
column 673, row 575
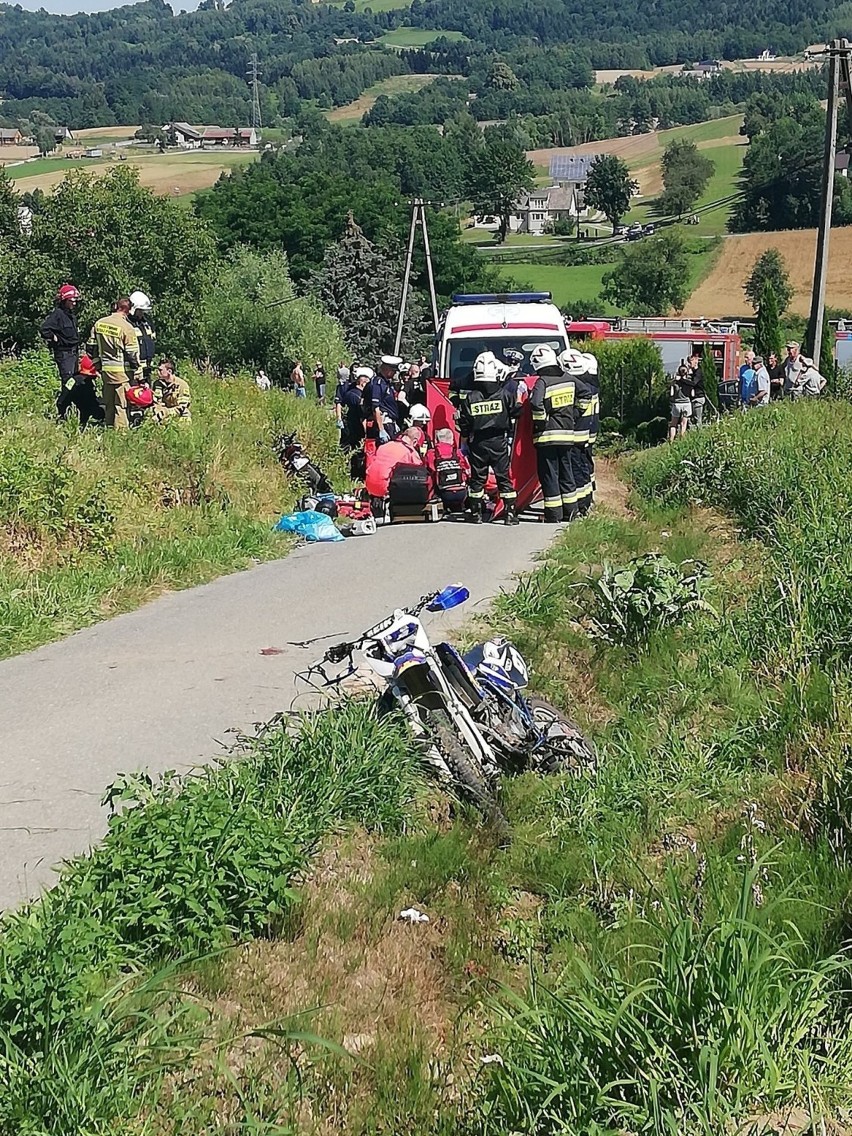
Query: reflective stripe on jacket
column 117, row 347
column 552, row 404
column 586, row 412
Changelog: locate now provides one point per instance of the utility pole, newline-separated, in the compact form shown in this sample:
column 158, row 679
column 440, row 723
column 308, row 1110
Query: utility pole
column 838, row 80
column 418, row 218
column 254, row 76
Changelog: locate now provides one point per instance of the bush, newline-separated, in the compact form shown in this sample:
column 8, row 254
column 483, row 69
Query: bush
column 632, row 381
column 649, row 594
column 253, row 318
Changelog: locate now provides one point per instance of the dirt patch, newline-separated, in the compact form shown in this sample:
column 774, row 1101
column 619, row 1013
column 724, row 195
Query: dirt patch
column 721, row 294
column 17, row 153
column 612, row 492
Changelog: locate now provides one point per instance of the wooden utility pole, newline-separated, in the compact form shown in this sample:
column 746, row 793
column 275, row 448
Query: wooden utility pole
column 418, row 217
column 826, row 201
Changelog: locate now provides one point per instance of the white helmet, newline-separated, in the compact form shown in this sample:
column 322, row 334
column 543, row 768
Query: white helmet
column 591, row 363
column 573, row 362
column 487, row 369
column 139, row 302
column 419, row 413
column 543, row 356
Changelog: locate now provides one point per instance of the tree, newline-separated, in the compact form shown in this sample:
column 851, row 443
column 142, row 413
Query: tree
column 709, row 374
column 686, row 173
column 45, row 139
column 769, row 268
column 360, row 285
column 110, row 235
column 823, row 352
column 651, row 277
column 499, row 176
column 9, row 206
column 501, row 77
column 767, row 329
column 609, row 187
column 252, row 317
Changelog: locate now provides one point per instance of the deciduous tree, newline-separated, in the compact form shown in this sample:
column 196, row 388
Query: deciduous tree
column 609, row 187
column 651, row 277
column 769, row 268
column 499, row 176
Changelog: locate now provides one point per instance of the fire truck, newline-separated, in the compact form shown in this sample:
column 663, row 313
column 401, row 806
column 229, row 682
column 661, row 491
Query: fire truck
column 677, row 339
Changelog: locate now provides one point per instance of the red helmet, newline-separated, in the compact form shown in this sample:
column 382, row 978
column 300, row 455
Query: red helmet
column 68, row 292
column 86, row 366
column 140, row 396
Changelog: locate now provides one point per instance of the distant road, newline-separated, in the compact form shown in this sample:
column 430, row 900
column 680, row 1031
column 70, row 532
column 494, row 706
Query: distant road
column 161, row 687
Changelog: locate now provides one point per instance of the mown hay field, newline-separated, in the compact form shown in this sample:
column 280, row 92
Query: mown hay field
column 721, row 293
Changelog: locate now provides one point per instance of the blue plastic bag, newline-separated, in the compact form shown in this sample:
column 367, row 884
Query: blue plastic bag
column 311, row 525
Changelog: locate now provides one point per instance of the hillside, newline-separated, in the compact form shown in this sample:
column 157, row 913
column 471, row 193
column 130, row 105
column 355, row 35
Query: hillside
column 143, row 63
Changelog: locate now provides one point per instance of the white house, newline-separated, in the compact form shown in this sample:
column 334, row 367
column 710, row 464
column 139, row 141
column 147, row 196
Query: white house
column 195, row 137
column 540, row 208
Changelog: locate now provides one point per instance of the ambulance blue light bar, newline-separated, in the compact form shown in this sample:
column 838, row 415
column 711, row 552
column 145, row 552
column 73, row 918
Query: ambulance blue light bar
column 462, row 298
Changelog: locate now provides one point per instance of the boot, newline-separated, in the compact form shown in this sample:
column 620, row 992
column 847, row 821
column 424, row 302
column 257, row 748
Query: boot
column 510, row 515
column 473, row 516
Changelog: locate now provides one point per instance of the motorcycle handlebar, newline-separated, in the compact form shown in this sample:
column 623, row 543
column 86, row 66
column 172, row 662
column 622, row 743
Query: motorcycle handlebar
column 340, row 651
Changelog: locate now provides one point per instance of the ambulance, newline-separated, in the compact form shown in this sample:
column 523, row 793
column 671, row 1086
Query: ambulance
column 477, row 322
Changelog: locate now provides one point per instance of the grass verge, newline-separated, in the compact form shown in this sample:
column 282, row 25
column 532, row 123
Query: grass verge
column 97, row 523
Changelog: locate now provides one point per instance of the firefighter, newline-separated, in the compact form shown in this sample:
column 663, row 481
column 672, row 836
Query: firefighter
column 552, row 404
column 578, row 366
column 172, row 397
column 140, row 317
column 59, row 331
column 594, row 419
column 485, row 420
column 116, row 352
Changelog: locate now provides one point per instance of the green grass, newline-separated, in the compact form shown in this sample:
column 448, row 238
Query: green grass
column 727, row 162
column 97, row 523
column 569, row 285
column 417, row 37
column 393, row 85
column 48, row 166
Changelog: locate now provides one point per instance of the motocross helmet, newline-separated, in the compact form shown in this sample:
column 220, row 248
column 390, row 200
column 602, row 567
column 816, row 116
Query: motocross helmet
column 140, row 396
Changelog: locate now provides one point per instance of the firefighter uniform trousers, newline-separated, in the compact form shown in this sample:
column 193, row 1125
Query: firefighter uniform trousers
column 552, row 403
column 485, row 420
column 585, row 422
column 117, row 351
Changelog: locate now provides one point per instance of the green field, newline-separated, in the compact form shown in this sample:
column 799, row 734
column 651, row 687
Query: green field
column 394, row 85
column 48, row 166
column 728, row 161
column 569, row 286
column 416, row 37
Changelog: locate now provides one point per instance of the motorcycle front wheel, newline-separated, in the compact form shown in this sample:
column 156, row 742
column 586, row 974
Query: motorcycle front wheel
column 470, row 780
column 566, row 749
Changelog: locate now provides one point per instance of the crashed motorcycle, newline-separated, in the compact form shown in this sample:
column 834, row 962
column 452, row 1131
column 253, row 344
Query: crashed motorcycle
column 468, row 712
column 290, row 453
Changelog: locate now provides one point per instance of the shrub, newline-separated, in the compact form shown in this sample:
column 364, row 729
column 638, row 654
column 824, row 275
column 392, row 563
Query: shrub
column 647, row 595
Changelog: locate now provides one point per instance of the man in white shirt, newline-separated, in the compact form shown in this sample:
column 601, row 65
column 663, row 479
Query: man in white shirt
column 761, row 377
column 793, row 367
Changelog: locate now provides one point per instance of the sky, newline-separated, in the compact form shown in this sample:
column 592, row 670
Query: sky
column 68, row 7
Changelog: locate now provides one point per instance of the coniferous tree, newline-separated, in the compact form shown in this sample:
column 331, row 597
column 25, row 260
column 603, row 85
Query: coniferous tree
column 767, row 329
column 360, row 284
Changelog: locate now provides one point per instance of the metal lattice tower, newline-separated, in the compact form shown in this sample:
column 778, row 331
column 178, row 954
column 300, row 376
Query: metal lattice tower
column 253, row 74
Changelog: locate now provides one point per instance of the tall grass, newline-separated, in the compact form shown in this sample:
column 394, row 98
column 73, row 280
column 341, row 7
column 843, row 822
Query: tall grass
column 695, row 1024
column 96, row 523
column 199, row 863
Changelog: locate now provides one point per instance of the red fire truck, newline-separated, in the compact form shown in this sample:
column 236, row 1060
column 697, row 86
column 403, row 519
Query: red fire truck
column 677, row 339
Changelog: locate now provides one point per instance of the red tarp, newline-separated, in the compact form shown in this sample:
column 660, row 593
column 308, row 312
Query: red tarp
column 523, row 468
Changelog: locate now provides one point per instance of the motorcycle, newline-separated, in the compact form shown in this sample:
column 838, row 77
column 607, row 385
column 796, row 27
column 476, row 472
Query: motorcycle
column 289, row 451
column 468, row 712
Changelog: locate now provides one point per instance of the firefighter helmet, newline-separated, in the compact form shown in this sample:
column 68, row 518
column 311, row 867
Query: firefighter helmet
column 86, row 366
column 487, row 369
column 141, row 396
column 68, row 292
column 140, row 302
column 573, row 362
column 543, row 356
column 419, row 414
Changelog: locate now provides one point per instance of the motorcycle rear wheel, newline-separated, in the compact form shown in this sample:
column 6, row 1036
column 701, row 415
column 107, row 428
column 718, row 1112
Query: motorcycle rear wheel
column 567, row 749
column 470, row 781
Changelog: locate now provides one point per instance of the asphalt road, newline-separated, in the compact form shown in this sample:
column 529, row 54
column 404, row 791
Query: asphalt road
column 162, row 687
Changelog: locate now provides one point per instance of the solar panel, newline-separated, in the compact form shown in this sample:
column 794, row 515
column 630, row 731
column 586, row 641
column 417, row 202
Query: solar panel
column 571, row 167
